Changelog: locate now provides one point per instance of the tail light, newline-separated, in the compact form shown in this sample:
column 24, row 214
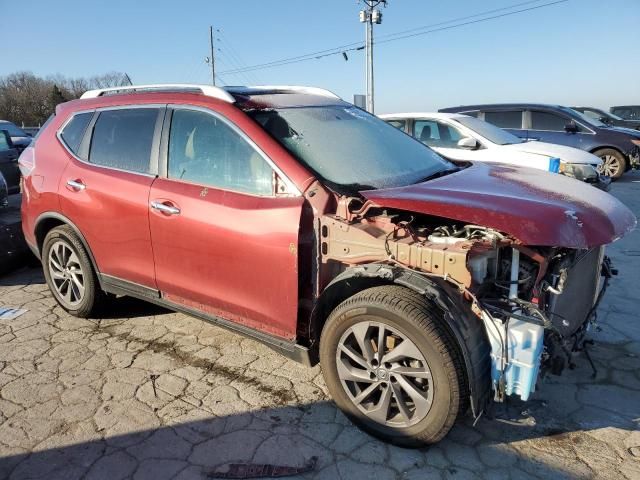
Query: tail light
column 27, row 161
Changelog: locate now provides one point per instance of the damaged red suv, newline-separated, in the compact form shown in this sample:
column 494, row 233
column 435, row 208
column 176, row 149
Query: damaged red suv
column 423, row 288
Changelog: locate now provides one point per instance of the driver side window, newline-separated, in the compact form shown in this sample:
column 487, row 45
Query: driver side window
column 437, row 134
column 206, row 151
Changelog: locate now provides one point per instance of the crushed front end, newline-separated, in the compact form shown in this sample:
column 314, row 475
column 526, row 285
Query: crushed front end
column 535, row 304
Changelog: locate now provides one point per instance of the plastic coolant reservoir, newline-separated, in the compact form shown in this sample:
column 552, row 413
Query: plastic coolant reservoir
column 524, row 348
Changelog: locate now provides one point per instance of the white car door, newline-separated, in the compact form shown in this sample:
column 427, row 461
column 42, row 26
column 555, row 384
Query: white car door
column 443, row 136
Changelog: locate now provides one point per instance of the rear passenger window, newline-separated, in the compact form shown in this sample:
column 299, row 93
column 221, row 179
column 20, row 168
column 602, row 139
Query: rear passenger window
column 505, row 119
column 74, row 130
column 547, row 121
column 205, row 150
column 122, row 139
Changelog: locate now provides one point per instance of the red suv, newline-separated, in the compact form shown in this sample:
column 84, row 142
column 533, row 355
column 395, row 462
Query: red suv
column 286, row 214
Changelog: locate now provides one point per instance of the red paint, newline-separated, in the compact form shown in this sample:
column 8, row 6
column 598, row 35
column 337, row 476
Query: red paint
column 233, row 254
column 537, row 208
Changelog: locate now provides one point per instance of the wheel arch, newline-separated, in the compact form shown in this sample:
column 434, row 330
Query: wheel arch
column 627, row 164
column 465, row 328
column 50, row 220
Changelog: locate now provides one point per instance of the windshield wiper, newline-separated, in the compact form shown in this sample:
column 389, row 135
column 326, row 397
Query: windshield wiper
column 439, row 174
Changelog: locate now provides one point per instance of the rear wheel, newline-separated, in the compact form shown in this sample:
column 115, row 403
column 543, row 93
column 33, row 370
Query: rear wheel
column 69, row 272
column 613, row 163
column 392, row 366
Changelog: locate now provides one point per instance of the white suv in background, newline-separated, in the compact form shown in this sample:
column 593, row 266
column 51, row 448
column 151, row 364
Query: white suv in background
column 462, row 137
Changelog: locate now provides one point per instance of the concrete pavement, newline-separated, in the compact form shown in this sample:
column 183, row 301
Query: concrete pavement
column 150, row 394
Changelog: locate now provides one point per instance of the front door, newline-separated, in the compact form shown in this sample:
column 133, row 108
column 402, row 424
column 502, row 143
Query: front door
column 224, row 243
column 550, row 127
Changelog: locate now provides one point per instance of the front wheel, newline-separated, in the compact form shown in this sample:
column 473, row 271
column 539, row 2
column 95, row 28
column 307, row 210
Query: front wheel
column 613, row 163
column 393, row 367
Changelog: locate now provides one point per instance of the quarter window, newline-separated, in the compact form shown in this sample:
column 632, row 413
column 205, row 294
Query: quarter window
column 205, row 150
column 547, row 121
column 74, row 131
column 122, row 139
column 505, row 119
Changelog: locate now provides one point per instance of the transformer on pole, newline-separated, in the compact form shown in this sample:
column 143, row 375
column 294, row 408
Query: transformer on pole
column 369, row 16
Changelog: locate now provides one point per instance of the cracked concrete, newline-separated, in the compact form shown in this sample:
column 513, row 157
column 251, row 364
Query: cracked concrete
column 77, row 400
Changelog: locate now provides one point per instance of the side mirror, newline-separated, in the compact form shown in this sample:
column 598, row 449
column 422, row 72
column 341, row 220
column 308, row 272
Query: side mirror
column 571, row 127
column 468, row 143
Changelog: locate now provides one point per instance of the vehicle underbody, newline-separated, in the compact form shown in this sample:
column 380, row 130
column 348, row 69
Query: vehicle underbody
column 532, row 305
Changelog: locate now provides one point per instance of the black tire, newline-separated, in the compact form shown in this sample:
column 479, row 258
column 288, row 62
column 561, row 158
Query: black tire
column 614, row 164
column 421, row 322
column 92, row 297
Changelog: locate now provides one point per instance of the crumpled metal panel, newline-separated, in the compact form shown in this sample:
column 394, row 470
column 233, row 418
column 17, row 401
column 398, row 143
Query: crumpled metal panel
column 535, row 207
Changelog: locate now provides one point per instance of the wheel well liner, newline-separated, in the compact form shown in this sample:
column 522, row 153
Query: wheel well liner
column 49, row 220
column 462, row 323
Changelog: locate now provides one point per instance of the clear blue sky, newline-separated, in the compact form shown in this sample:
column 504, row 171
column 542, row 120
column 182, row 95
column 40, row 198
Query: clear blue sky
column 579, row 52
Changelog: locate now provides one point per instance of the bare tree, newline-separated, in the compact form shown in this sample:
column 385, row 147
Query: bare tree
column 26, row 99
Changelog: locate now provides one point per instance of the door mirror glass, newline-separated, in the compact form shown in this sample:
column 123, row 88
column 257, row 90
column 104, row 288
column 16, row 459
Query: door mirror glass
column 468, row 143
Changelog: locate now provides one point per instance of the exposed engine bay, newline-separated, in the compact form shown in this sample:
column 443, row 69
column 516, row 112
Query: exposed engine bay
column 536, row 304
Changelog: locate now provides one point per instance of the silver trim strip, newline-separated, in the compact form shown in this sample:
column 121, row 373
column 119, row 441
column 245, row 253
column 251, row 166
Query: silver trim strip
column 207, row 90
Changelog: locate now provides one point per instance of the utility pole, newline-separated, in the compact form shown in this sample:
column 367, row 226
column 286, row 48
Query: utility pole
column 211, row 60
column 370, row 15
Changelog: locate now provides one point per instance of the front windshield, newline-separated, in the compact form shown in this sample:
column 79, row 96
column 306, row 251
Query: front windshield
column 584, row 118
column 349, row 148
column 13, row 130
column 487, row 130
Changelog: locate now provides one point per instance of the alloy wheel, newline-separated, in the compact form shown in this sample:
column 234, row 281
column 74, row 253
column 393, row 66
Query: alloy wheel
column 384, row 374
column 66, row 273
column 610, row 166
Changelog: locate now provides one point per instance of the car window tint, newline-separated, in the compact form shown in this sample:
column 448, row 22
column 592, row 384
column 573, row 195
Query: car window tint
column 547, row 121
column 426, row 131
column 400, row 124
column 4, row 144
column 504, row 119
column 437, row 134
column 74, row 131
column 205, row 150
column 122, row 139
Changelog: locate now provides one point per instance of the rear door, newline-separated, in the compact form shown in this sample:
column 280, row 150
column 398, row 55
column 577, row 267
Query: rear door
column 224, row 242
column 104, row 190
column 511, row 120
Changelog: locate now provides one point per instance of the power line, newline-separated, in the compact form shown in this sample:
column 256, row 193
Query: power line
column 396, row 36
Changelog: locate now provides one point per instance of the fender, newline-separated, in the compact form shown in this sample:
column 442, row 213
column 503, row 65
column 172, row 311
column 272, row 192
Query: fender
column 43, row 217
column 462, row 323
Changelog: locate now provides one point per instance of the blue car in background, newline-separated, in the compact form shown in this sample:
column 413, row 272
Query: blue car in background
column 619, row 148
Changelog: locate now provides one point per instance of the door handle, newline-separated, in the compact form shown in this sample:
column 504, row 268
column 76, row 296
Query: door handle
column 164, row 208
column 76, row 185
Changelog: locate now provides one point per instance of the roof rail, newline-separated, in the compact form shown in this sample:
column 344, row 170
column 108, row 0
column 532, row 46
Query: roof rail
column 258, row 89
column 208, row 90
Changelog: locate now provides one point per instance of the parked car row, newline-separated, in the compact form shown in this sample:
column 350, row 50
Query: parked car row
column 19, row 137
column 424, row 288
column 619, row 148
column 461, row 137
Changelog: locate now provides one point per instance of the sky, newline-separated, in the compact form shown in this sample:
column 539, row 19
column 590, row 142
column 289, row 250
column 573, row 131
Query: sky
column 578, row 52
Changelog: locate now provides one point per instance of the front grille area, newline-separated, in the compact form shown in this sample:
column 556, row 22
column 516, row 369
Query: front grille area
column 569, row 310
